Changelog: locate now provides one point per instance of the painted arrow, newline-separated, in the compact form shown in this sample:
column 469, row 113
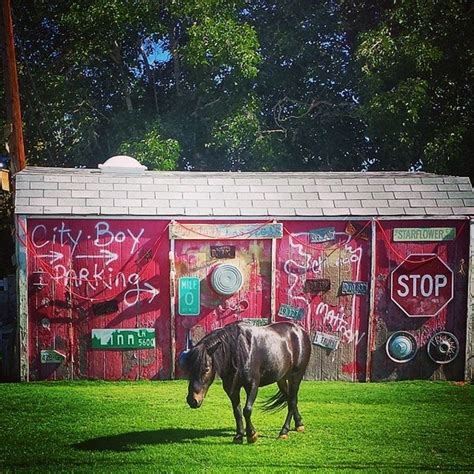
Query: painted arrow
column 132, row 297
column 54, row 256
column 154, row 291
column 103, row 253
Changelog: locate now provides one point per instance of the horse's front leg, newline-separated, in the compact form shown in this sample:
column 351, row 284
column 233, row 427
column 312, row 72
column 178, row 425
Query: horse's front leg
column 249, row 428
column 234, row 396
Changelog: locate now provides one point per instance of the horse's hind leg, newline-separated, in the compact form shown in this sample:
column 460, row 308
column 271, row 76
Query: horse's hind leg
column 293, row 387
column 283, row 386
column 296, row 414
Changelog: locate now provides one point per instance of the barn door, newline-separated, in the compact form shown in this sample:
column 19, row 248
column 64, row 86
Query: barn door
column 323, row 283
column 420, row 313
column 222, row 275
column 98, row 299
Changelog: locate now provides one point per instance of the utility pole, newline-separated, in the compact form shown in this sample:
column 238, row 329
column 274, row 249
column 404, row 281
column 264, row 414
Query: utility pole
column 15, row 136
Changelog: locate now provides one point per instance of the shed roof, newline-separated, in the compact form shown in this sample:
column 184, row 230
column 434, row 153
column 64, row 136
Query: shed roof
column 65, row 191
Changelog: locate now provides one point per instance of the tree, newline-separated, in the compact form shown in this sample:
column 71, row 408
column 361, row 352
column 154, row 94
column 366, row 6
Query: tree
column 301, row 113
column 416, row 86
column 91, row 86
column 248, row 84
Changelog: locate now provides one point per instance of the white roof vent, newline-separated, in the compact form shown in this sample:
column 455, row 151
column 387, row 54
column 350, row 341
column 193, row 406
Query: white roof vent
column 122, row 164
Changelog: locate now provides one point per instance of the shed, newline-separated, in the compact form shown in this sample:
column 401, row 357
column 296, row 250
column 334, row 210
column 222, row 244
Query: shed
column 120, row 270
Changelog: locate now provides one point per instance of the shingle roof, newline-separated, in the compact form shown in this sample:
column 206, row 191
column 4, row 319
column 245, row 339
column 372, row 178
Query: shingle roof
column 63, row 191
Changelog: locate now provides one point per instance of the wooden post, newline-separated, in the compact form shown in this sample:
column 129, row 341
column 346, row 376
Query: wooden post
column 17, row 148
column 469, row 365
column 172, row 304
column 273, row 281
column 371, row 315
column 21, row 346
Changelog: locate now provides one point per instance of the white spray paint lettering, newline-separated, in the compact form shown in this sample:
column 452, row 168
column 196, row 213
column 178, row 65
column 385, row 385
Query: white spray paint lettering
column 97, row 276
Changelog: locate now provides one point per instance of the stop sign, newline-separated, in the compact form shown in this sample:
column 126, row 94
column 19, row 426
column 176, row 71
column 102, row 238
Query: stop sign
column 422, row 285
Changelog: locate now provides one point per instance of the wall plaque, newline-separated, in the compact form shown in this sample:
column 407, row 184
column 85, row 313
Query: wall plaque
column 290, row 312
column 354, row 288
column 223, row 251
column 356, row 230
column 256, row 321
column 427, row 234
column 322, row 235
column 194, row 231
column 52, row 357
column 189, row 296
column 327, row 341
column 320, row 285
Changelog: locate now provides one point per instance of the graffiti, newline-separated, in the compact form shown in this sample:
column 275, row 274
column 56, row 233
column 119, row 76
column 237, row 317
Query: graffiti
column 349, row 256
column 93, row 249
column 107, row 255
column 103, row 231
column 63, row 236
column 229, row 308
column 337, row 321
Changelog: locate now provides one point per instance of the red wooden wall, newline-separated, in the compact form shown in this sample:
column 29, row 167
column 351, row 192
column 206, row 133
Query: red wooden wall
column 252, row 257
column 76, row 264
column 86, row 274
column 389, row 318
column 345, row 258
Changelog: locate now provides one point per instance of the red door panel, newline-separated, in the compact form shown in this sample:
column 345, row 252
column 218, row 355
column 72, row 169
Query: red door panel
column 87, row 274
column 402, row 315
column 328, row 314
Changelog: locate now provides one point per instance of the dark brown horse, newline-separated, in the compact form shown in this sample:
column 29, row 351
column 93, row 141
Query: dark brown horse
column 250, row 357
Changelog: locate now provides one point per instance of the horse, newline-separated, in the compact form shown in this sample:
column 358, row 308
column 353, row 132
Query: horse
column 250, row 357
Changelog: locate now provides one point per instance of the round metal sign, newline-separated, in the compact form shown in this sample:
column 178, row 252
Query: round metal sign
column 226, row 279
column 443, row 347
column 401, row 347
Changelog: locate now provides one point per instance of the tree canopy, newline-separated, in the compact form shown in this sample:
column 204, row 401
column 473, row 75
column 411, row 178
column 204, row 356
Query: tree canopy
column 248, row 84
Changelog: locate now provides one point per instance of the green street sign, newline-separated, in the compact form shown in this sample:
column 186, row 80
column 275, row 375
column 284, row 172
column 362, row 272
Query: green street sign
column 142, row 338
column 189, row 296
column 258, row 322
column 52, row 357
column 428, row 234
column 290, row 312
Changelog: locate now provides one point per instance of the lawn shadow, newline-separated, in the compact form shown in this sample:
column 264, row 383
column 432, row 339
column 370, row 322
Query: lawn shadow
column 134, row 440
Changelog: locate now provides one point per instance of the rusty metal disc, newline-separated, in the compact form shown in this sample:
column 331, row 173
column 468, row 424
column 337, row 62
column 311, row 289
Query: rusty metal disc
column 443, row 347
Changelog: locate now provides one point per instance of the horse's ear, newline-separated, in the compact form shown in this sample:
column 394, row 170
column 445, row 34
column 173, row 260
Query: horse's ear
column 182, row 359
column 210, row 349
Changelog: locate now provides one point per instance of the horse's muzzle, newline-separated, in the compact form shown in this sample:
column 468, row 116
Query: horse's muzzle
column 193, row 402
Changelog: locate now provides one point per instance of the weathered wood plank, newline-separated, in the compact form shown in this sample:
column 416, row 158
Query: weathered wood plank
column 193, row 231
column 22, row 305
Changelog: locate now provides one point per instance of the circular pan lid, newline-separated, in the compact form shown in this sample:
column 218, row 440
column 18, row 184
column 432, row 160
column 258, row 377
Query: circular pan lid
column 226, row 279
column 401, row 347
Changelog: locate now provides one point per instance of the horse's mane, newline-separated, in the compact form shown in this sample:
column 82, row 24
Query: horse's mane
column 228, row 347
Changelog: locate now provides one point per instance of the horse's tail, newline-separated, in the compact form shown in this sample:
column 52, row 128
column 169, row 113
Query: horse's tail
column 276, row 402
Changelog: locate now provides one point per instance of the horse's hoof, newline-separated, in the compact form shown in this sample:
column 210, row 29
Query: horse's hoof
column 252, row 439
column 300, row 429
column 238, row 440
column 283, row 436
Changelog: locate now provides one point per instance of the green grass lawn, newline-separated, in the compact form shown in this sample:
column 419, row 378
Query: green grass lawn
column 147, row 427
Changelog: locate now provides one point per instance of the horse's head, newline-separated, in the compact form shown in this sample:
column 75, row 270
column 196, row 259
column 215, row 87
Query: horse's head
column 198, row 365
